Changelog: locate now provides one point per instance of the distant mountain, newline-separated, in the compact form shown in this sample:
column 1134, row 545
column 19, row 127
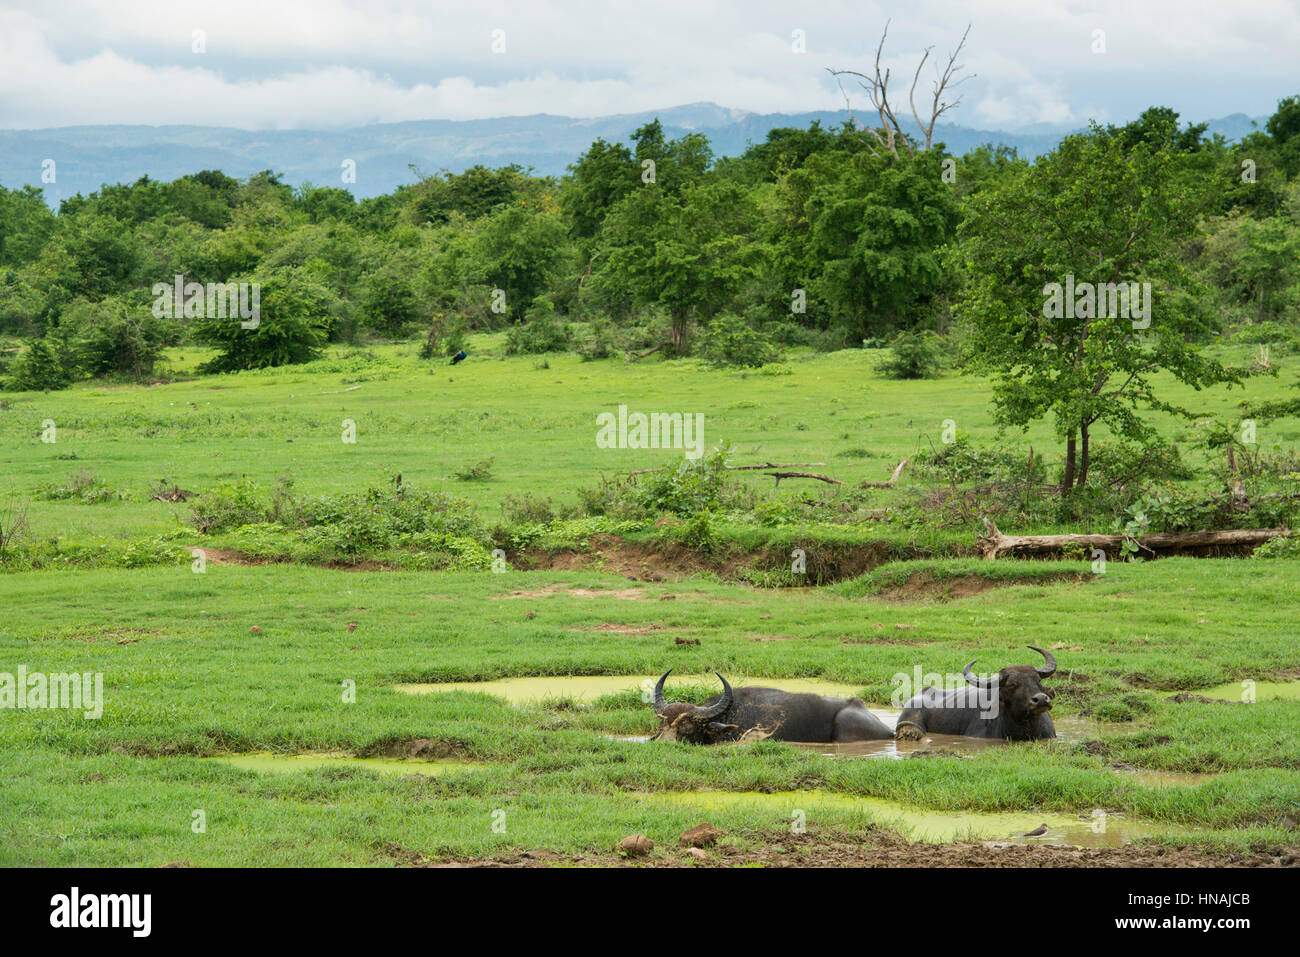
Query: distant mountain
column 87, row 157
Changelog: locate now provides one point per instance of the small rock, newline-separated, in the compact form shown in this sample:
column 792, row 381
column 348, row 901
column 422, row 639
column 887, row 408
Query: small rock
column 636, row 845
column 698, row 854
column 702, row 835
column 902, row 627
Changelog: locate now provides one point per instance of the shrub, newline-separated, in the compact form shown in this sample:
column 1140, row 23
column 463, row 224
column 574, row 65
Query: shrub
column 229, row 505
column 527, row 509
column 38, row 368
column 478, row 472
column 912, row 356
column 541, row 332
column 731, row 342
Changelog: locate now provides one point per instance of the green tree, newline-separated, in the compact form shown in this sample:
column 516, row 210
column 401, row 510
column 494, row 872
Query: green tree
column 292, row 326
column 1095, row 211
column 689, row 254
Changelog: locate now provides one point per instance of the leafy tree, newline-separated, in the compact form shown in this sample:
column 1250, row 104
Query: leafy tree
column 1099, row 211
column 877, row 225
column 292, row 326
column 689, row 253
column 114, row 337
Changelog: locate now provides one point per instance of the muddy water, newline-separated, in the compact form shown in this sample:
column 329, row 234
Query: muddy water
column 1164, row 779
column 1068, row 731
column 268, row 762
column 920, row 824
column 1264, row 690
column 586, row 688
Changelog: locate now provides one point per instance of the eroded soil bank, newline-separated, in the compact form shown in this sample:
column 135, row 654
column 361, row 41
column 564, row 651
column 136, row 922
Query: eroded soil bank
column 877, row 848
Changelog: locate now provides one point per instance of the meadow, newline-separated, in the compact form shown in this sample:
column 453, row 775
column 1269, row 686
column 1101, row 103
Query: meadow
column 253, row 652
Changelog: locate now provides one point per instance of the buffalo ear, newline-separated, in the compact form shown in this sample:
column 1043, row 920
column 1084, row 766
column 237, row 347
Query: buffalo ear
column 717, row 728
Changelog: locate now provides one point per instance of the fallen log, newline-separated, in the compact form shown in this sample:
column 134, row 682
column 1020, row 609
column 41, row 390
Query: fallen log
column 810, row 475
column 892, row 479
column 994, row 544
column 740, row 468
column 629, row 357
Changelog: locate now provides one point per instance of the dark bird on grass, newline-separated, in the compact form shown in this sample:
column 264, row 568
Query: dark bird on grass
column 1038, row 831
column 459, row 357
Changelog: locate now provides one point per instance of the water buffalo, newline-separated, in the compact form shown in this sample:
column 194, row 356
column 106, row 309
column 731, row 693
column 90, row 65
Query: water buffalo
column 765, row 712
column 1011, row 704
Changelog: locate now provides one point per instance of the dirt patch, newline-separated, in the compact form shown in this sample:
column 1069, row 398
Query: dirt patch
column 924, row 587
column 628, row 594
column 425, row 748
column 623, row 629
column 118, row 636
column 668, row 561
column 880, row 848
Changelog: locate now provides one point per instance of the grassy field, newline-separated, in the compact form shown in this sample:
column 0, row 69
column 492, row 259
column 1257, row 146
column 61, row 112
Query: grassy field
column 290, row 658
column 534, row 418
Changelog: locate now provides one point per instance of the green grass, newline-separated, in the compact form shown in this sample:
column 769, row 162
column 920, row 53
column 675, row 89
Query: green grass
column 428, row 421
column 121, row 789
column 185, row 678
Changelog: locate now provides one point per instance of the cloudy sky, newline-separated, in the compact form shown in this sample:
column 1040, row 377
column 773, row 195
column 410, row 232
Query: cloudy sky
column 264, row 64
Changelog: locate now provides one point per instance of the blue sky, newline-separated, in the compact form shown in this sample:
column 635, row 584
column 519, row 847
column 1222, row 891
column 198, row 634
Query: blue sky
column 293, row 64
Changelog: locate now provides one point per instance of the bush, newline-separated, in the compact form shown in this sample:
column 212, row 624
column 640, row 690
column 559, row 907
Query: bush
column 527, row 509
column 446, row 337
column 912, row 356
column 731, row 342
column 229, row 505
column 478, row 472
column 541, row 332
column 83, row 486
column 38, row 368
column 114, row 338
column 597, row 341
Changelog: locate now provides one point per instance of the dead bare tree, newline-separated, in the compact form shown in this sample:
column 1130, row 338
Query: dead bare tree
column 890, row 133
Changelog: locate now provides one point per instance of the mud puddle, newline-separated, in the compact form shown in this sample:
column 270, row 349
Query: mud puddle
column 269, row 762
column 1098, row 829
column 1164, row 779
column 587, row 688
column 1069, row 730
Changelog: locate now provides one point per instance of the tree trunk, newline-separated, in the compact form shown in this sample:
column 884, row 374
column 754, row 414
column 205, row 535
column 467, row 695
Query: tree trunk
column 1067, row 483
column 1082, row 480
column 679, row 333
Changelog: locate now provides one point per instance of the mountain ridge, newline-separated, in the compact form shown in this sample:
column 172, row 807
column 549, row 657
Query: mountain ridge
column 89, row 156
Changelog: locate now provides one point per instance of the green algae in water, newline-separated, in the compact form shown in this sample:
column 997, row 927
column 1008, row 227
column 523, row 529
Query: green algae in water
column 923, row 824
column 1263, row 690
column 586, row 688
column 269, row 762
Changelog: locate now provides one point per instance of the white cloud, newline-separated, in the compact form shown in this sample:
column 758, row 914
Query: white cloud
column 294, row 63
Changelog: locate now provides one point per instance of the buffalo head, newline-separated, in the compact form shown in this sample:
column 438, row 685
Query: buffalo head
column 1021, row 695
column 695, row 724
